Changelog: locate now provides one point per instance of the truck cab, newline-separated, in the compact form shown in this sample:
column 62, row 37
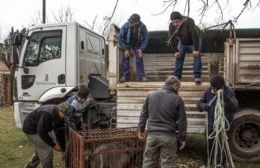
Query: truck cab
column 55, row 59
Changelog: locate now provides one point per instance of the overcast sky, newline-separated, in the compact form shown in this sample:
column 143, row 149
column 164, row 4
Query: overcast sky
column 19, row 13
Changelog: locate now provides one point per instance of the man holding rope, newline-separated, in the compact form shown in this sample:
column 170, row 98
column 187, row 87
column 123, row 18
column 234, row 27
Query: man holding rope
column 220, row 102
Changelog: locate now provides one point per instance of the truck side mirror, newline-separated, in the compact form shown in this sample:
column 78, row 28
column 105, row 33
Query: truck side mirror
column 17, row 39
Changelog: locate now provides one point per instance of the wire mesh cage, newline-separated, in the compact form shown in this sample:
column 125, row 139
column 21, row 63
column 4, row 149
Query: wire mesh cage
column 107, row 148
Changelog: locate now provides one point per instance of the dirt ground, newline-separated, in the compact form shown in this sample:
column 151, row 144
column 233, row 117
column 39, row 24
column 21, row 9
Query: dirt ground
column 15, row 148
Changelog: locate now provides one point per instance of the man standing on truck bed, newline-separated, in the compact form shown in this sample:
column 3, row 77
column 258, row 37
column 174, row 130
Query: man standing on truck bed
column 163, row 113
column 133, row 39
column 184, row 36
column 38, row 127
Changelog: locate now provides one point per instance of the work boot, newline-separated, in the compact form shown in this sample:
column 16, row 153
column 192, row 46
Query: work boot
column 34, row 161
column 123, row 79
column 143, row 79
column 197, row 80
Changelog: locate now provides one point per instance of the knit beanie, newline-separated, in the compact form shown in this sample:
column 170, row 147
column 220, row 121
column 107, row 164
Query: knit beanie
column 217, row 82
column 65, row 108
column 134, row 18
column 176, row 15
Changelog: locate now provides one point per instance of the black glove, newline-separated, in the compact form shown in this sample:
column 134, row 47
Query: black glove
column 204, row 107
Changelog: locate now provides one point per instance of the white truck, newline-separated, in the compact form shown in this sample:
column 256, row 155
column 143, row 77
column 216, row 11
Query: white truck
column 57, row 58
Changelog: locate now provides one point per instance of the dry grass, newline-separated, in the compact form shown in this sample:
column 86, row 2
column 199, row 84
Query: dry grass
column 15, row 148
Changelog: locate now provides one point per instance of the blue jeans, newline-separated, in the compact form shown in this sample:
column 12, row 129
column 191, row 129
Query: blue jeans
column 183, row 49
column 139, row 66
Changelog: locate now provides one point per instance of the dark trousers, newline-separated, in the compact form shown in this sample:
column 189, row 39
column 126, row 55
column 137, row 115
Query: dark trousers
column 139, row 66
column 160, row 146
column 183, row 49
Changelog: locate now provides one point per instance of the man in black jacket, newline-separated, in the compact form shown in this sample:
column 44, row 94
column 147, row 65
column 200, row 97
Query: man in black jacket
column 38, row 127
column 163, row 113
column 184, row 36
column 208, row 103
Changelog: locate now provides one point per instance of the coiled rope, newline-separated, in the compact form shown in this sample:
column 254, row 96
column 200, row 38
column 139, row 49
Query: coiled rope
column 220, row 148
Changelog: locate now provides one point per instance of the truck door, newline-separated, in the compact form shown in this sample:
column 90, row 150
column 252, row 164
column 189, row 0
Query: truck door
column 43, row 64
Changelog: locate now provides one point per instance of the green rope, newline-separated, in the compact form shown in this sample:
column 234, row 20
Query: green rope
column 220, row 148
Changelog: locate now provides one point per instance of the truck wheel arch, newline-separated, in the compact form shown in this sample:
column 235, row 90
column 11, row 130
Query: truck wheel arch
column 56, row 95
column 244, row 135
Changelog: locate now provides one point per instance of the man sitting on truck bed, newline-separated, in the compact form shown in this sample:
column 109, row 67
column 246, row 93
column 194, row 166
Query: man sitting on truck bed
column 133, row 39
column 79, row 102
column 184, row 36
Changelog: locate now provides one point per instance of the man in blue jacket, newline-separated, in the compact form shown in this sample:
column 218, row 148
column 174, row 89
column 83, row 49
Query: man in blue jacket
column 79, row 102
column 133, row 39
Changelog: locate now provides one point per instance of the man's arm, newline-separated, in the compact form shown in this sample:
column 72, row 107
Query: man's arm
column 144, row 116
column 122, row 37
column 195, row 35
column 145, row 39
column 44, row 127
column 172, row 38
column 182, row 121
column 230, row 100
column 203, row 105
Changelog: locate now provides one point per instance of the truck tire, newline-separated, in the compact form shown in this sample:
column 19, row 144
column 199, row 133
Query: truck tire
column 244, row 134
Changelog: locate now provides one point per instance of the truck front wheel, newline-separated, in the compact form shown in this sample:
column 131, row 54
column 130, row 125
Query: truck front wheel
column 245, row 136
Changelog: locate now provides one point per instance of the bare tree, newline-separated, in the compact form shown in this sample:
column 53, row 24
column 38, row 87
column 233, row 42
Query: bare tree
column 206, row 5
column 102, row 27
column 63, row 15
column 93, row 24
column 108, row 19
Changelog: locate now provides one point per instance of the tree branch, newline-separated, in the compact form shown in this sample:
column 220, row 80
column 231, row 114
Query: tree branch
column 246, row 4
column 108, row 19
column 167, row 4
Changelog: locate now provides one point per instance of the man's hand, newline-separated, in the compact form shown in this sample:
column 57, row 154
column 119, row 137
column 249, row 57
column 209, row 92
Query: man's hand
column 182, row 145
column 177, row 55
column 142, row 136
column 126, row 53
column 57, row 148
column 196, row 53
column 204, row 106
column 83, row 126
column 140, row 53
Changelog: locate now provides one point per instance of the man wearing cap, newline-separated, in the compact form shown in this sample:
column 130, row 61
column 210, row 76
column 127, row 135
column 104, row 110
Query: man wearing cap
column 133, row 39
column 38, row 127
column 163, row 113
column 184, row 36
column 79, row 102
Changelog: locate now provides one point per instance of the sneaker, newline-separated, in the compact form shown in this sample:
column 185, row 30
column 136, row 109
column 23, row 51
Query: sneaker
column 123, row 79
column 197, row 80
column 143, row 79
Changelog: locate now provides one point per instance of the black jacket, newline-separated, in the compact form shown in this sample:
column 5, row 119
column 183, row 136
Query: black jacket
column 230, row 104
column 164, row 112
column 188, row 33
column 43, row 120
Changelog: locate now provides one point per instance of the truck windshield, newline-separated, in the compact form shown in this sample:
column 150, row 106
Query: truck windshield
column 43, row 46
